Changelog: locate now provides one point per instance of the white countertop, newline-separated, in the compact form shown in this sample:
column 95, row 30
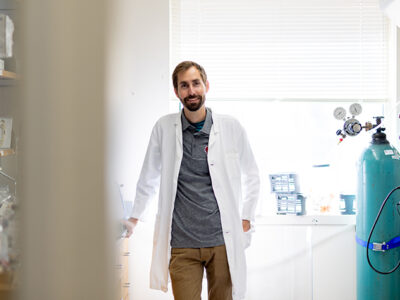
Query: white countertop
column 306, row 220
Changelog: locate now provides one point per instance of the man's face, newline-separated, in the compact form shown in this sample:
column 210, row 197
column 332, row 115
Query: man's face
column 191, row 89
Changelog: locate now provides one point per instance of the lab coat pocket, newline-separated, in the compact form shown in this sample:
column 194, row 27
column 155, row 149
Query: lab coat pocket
column 246, row 239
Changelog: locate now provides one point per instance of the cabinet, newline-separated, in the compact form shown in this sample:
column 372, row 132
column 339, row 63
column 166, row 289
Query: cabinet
column 123, row 269
column 302, row 258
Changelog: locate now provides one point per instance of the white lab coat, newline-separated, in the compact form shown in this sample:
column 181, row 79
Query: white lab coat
column 235, row 180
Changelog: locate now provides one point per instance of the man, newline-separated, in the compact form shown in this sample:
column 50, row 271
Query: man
column 205, row 172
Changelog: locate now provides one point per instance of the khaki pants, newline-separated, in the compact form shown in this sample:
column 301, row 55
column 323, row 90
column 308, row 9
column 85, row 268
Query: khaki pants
column 186, row 269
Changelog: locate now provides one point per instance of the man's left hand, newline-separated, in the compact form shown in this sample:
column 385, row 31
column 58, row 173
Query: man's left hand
column 246, row 225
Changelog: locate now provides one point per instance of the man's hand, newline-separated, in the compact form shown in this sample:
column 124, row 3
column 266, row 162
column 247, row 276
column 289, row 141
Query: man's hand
column 130, row 225
column 246, row 225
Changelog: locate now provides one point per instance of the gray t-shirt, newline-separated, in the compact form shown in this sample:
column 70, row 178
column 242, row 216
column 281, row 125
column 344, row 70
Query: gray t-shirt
column 196, row 219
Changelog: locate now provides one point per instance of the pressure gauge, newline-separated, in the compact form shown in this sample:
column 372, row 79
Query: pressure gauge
column 339, row 113
column 355, row 109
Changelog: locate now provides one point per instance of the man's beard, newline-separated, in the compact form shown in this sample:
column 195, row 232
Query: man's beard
column 195, row 105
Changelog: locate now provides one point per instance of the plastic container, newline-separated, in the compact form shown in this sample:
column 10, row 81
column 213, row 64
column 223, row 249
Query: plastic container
column 288, row 203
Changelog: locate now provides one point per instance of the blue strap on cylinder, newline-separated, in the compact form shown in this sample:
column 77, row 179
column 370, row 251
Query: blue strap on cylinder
column 393, row 243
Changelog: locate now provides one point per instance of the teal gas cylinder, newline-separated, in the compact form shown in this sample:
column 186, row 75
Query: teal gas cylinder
column 379, row 174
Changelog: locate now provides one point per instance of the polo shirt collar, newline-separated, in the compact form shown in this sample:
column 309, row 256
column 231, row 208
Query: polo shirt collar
column 207, row 123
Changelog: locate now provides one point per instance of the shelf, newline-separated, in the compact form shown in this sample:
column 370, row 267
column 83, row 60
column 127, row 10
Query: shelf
column 5, row 152
column 7, row 75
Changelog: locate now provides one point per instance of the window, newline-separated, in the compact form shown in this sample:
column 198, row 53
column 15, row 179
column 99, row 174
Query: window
column 281, row 67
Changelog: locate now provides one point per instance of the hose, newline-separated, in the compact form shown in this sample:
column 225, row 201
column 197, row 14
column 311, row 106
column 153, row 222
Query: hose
column 372, row 230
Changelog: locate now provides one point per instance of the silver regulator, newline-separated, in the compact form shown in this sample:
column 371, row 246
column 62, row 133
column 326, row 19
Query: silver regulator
column 352, row 126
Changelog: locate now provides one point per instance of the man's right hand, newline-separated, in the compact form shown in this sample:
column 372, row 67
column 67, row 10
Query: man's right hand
column 130, row 225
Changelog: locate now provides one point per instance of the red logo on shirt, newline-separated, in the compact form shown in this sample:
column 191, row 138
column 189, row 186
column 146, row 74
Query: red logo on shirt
column 206, row 149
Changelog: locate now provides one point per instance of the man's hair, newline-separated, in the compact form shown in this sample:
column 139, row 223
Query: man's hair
column 185, row 65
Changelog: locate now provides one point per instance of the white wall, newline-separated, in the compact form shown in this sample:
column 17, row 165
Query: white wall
column 138, row 85
column 137, row 80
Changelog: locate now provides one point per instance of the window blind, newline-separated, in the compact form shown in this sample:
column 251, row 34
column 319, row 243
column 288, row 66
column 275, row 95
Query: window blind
column 284, row 49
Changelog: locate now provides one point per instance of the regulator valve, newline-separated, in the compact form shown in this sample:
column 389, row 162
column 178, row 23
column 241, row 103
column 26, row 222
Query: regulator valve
column 352, row 126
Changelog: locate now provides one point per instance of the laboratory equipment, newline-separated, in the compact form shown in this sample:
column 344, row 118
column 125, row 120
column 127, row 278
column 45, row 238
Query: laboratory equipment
column 289, row 200
column 378, row 216
column 347, row 204
column 290, row 204
column 351, row 126
column 284, row 183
